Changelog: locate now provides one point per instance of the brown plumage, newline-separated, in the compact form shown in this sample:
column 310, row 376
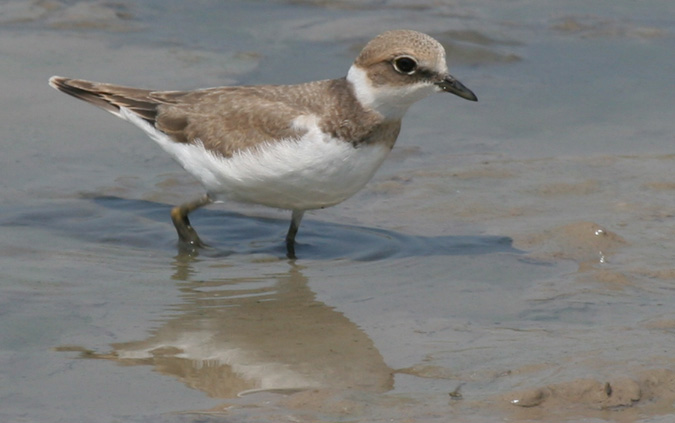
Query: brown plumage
column 303, row 146
column 228, row 119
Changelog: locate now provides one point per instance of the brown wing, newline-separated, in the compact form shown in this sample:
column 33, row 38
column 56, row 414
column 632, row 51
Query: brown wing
column 108, row 96
column 229, row 119
column 224, row 119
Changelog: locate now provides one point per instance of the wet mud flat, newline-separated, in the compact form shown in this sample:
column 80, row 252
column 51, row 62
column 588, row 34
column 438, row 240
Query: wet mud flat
column 511, row 261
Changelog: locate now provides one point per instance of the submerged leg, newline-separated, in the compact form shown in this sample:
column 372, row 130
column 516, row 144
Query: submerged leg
column 296, row 218
column 179, row 215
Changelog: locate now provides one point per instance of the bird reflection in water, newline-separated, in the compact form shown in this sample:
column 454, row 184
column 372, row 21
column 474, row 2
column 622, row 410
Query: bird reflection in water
column 231, row 336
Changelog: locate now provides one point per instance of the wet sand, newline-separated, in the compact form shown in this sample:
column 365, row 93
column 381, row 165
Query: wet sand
column 511, row 261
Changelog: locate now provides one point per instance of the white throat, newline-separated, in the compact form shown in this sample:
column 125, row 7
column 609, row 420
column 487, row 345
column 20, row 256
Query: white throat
column 390, row 101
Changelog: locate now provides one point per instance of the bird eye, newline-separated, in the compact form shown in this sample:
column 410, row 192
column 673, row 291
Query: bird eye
column 405, row 64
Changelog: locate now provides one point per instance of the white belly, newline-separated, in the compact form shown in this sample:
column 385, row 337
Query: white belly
column 313, row 172
column 296, row 175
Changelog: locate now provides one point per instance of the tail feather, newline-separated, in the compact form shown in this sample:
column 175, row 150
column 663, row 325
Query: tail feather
column 110, row 97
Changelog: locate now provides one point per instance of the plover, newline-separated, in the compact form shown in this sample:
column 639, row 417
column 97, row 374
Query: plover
column 295, row 147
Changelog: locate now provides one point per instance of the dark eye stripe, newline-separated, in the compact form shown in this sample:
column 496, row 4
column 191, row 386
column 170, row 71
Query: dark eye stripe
column 426, row 73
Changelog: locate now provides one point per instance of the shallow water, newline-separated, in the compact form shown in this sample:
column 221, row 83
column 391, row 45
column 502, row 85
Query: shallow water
column 512, row 260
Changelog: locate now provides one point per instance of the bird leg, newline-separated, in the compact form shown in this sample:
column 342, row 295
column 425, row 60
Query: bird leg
column 296, row 218
column 179, row 216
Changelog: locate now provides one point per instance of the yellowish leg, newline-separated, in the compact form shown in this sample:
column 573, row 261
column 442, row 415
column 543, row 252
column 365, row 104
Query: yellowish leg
column 179, row 216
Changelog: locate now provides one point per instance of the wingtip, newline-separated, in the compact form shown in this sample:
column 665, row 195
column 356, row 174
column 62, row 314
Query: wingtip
column 56, row 81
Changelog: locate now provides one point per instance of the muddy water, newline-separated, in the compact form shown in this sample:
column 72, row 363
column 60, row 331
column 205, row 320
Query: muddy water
column 512, row 260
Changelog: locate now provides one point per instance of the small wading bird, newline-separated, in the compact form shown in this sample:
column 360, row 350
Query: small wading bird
column 295, row 147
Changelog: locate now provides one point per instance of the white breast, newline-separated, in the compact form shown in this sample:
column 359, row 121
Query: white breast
column 312, row 172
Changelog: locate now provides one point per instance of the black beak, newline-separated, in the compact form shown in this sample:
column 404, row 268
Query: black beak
column 450, row 85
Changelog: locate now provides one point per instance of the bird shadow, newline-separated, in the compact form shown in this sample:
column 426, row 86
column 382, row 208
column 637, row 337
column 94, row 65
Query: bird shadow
column 146, row 224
